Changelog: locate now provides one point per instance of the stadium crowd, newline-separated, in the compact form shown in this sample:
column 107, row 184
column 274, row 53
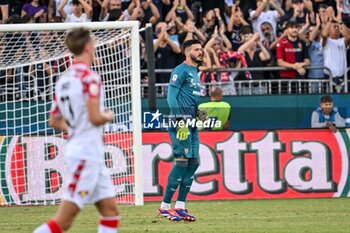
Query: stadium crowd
column 235, row 33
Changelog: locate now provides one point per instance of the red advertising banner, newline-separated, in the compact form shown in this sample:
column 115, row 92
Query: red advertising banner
column 233, row 165
column 255, row 164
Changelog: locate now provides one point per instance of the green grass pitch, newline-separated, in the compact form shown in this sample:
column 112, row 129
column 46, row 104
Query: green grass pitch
column 288, row 215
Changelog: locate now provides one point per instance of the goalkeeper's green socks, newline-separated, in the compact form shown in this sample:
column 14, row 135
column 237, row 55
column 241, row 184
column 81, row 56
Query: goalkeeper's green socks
column 175, row 177
column 187, row 180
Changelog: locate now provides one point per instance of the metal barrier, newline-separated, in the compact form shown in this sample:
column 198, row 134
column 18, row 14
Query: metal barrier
column 346, row 80
column 257, row 87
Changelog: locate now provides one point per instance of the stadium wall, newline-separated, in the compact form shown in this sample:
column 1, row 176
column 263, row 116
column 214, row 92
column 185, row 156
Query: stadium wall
column 233, row 165
column 271, row 112
column 247, row 113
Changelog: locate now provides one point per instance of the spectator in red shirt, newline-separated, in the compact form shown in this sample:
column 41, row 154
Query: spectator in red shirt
column 292, row 53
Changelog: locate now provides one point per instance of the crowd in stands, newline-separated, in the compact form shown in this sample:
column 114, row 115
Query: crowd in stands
column 293, row 34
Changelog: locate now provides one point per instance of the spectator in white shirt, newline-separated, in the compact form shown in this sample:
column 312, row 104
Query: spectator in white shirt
column 52, row 7
column 335, row 48
column 264, row 14
column 77, row 8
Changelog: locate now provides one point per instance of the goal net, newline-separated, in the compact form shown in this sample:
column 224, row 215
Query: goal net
column 32, row 57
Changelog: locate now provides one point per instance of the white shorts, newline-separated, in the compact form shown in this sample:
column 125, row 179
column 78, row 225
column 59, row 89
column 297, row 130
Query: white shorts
column 88, row 182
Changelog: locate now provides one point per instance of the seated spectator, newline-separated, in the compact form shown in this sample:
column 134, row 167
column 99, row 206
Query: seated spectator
column 77, row 8
column 4, row 7
column 327, row 116
column 254, row 58
column 264, row 14
column 36, row 9
column 217, row 109
column 292, row 53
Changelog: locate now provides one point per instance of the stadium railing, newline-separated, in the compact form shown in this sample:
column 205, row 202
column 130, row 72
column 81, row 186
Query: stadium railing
column 258, row 87
column 346, row 80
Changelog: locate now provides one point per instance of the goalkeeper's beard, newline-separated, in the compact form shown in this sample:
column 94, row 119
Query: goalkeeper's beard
column 198, row 60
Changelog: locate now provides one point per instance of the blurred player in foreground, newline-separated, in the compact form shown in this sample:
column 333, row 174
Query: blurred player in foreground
column 78, row 110
column 183, row 100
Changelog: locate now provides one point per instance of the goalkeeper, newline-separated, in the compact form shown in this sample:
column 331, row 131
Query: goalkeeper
column 183, row 100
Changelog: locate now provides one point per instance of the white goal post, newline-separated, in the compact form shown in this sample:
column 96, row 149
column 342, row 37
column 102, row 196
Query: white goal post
column 32, row 57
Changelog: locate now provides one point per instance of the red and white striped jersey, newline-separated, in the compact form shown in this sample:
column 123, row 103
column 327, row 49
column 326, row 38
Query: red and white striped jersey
column 72, row 91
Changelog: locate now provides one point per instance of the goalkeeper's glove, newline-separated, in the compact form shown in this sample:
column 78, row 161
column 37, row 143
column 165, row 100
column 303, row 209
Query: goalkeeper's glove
column 182, row 131
column 202, row 115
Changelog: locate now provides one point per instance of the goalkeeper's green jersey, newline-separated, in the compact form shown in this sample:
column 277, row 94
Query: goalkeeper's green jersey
column 184, row 91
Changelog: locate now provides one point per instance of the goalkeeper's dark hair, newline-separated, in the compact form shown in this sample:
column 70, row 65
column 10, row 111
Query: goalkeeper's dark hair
column 77, row 39
column 188, row 43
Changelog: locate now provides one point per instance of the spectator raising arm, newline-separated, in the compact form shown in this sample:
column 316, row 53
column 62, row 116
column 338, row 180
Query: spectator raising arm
column 154, row 10
column 134, row 9
column 4, row 11
column 51, row 10
column 104, row 9
column 187, row 10
column 264, row 55
column 174, row 47
column 60, row 9
column 314, row 32
column 277, row 8
column 87, row 8
column 325, row 32
column 192, row 31
column 260, row 9
column 274, row 44
column 215, row 60
column 227, row 42
column 345, row 31
column 239, row 18
column 172, row 13
column 206, row 64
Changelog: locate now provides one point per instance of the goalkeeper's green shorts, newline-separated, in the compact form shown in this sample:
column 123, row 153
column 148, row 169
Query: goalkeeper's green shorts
column 188, row 148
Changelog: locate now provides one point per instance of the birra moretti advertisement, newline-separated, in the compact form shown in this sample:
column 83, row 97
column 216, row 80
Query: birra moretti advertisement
column 233, row 165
